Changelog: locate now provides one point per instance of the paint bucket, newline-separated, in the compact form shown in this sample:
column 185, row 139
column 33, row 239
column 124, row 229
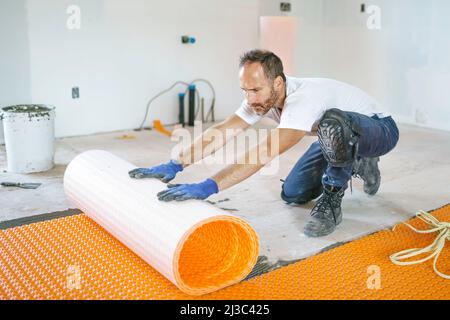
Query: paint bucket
column 29, row 137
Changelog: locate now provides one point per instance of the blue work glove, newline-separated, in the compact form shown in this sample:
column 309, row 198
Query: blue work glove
column 181, row 192
column 164, row 172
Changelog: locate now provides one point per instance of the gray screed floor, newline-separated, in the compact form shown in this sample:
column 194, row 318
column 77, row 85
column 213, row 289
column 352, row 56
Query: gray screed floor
column 415, row 176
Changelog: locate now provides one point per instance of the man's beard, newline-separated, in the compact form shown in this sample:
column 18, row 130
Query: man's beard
column 263, row 109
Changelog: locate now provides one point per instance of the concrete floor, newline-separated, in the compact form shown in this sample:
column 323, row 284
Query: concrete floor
column 415, row 176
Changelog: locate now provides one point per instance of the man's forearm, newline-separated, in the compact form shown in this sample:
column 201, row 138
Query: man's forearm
column 206, row 144
column 248, row 164
column 278, row 142
column 234, row 174
column 202, row 146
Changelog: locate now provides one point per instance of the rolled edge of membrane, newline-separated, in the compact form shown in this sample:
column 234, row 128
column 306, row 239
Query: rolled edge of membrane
column 214, row 254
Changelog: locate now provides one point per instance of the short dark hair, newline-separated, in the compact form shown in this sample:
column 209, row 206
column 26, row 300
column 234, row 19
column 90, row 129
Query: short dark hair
column 271, row 63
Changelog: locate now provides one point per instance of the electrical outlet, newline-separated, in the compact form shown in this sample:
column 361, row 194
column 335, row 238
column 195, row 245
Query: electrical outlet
column 75, row 93
column 184, row 39
column 285, row 7
column 187, row 40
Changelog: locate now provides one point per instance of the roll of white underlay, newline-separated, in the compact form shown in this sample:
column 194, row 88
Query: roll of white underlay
column 278, row 34
column 197, row 246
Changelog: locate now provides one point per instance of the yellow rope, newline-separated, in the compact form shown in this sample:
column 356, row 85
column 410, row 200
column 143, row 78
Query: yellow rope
column 435, row 249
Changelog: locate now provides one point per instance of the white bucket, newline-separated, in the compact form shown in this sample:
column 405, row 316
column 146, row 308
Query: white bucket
column 29, row 137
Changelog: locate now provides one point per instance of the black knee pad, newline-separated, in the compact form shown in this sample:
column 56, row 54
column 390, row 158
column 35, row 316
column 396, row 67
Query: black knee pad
column 338, row 138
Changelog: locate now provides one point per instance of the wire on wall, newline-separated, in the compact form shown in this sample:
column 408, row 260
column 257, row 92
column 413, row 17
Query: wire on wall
column 197, row 95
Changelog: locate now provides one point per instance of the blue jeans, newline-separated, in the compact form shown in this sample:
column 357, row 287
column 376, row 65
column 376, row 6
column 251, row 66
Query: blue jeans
column 312, row 171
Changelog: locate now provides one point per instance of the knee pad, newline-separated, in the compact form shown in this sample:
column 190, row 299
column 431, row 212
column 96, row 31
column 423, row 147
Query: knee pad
column 338, row 138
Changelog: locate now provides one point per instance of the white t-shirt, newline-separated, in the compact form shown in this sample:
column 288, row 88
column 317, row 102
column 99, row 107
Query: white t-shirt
column 307, row 99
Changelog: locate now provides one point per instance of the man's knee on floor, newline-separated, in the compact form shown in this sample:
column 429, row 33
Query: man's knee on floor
column 338, row 137
column 299, row 196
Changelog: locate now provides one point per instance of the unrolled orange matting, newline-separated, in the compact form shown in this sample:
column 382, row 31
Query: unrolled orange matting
column 74, row 258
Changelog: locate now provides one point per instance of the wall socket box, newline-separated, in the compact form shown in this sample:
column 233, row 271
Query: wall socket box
column 285, row 7
column 188, row 39
column 75, row 93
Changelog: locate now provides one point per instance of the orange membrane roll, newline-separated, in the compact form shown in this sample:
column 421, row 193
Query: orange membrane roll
column 198, row 247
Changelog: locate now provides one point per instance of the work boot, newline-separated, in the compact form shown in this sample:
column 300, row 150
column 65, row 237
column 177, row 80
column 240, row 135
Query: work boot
column 326, row 214
column 367, row 170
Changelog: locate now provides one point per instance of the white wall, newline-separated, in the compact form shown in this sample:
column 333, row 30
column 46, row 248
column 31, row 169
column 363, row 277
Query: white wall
column 14, row 55
column 127, row 51
column 405, row 64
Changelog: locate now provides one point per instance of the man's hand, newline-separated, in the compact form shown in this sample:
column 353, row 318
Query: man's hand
column 181, row 192
column 163, row 172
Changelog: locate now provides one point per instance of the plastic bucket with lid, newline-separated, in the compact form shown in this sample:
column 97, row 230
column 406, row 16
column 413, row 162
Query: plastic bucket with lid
column 29, row 132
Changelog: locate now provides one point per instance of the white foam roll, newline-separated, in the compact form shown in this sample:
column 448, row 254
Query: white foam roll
column 197, row 246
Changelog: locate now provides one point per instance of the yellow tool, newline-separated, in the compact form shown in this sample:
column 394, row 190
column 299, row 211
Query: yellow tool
column 160, row 128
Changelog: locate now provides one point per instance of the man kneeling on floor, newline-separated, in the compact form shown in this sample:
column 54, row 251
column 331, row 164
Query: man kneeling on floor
column 352, row 134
